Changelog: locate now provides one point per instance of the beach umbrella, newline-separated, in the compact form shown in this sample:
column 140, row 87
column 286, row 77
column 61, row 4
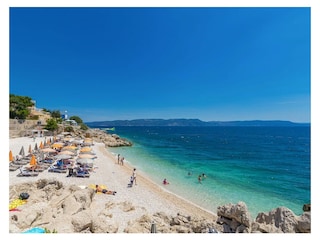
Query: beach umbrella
column 10, row 156
column 22, row 152
column 57, row 145
column 63, row 156
column 33, row 160
column 49, row 141
column 66, row 152
column 87, row 156
column 77, row 141
column 48, row 150
column 30, row 150
column 86, row 149
column 36, row 147
column 41, row 145
column 83, row 161
column 70, row 147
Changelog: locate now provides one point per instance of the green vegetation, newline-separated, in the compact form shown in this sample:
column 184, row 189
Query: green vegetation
column 52, row 125
column 68, row 129
column 55, row 114
column 80, row 122
column 20, row 109
column 83, row 126
column 48, row 231
column 19, row 106
column 77, row 119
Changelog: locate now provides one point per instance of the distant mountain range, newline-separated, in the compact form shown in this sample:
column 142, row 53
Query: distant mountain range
column 192, row 123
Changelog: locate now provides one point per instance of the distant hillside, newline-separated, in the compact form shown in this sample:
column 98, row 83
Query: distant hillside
column 191, row 123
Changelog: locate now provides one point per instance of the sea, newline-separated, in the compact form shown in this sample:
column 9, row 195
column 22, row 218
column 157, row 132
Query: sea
column 265, row 167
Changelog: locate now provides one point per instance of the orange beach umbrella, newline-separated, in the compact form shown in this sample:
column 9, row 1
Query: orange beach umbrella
column 57, row 145
column 86, row 149
column 70, row 147
column 33, row 160
column 10, row 156
column 41, row 145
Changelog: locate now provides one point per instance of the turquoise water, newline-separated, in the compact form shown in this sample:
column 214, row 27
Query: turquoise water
column 266, row 167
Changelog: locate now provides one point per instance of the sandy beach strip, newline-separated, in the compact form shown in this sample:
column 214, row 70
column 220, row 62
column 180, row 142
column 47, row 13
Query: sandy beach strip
column 146, row 195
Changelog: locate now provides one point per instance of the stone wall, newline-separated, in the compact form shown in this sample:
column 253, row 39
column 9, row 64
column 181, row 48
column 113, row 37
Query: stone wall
column 21, row 128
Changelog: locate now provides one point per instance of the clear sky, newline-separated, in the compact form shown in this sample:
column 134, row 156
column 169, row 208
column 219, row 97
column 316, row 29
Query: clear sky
column 209, row 63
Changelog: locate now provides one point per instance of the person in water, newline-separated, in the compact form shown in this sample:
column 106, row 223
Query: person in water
column 199, row 178
column 165, row 182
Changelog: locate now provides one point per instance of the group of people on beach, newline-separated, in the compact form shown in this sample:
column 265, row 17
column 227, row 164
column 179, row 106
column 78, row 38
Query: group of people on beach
column 120, row 160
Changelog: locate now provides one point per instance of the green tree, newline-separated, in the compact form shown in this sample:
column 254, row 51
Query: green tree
column 77, row 119
column 56, row 114
column 19, row 106
column 52, row 125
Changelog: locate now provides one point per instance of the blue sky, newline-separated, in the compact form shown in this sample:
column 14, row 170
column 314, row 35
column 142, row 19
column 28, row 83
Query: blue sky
column 209, row 63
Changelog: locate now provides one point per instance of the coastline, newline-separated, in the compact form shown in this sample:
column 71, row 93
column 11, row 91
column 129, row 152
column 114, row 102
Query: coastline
column 65, row 203
column 147, row 197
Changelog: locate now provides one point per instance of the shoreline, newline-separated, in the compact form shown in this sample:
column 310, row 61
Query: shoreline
column 131, row 209
column 146, row 195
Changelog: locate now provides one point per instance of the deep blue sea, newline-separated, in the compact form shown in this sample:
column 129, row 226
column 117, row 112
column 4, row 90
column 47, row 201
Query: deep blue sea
column 265, row 167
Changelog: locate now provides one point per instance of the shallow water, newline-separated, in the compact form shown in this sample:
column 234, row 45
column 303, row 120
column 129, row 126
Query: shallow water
column 266, row 167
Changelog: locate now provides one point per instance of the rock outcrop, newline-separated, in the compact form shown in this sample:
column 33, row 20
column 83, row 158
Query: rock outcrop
column 235, row 218
column 110, row 140
column 71, row 209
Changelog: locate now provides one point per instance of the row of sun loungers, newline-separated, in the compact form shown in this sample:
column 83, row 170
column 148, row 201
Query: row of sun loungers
column 25, row 173
column 52, row 164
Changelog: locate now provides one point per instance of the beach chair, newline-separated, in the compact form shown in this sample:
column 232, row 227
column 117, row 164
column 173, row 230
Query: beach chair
column 57, row 170
column 82, row 173
column 13, row 167
column 24, row 173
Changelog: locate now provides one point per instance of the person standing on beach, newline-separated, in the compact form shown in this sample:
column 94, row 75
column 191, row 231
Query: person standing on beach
column 119, row 159
column 134, row 175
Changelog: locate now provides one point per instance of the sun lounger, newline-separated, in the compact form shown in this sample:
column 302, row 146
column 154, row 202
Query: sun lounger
column 57, row 170
column 20, row 162
column 82, row 174
column 13, row 167
column 24, row 173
